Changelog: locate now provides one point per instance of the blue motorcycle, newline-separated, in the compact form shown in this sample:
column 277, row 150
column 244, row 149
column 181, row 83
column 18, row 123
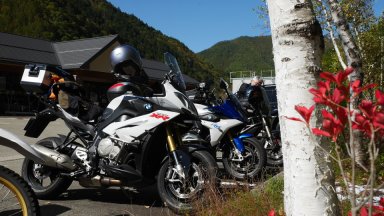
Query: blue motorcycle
column 223, row 122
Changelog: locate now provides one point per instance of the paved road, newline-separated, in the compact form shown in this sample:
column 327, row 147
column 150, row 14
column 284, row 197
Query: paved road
column 78, row 200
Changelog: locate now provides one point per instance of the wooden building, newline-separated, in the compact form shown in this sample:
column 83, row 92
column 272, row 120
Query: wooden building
column 88, row 59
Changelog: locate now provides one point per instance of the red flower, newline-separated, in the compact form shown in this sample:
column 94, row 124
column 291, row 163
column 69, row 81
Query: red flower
column 378, row 210
column 272, row 213
column 355, row 85
column 337, row 96
column 332, row 127
column 378, row 121
column 357, row 89
column 362, row 123
column 338, row 78
column 367, row 108
column 379, row 97
column 304, row 112
column 341, row 114
column 363, row 211
column 321, row 93
column 319, row 132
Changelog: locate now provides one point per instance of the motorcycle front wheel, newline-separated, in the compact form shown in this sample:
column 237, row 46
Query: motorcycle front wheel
column 253, row 162
column 45, row 181
column 275, row 155
column 179, row 193
column 16, row 197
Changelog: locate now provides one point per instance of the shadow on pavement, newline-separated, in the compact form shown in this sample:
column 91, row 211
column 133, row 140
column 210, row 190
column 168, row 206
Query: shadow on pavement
column 147, row 196
column 53, row 209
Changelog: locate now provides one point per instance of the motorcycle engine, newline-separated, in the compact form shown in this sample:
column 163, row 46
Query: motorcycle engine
column 109, row 148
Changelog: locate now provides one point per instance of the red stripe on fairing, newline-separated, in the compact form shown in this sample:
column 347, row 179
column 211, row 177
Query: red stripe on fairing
column 160, row 116
column 116, row 86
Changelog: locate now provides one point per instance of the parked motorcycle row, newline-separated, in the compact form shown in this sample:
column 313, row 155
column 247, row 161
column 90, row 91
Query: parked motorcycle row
column 140, row 138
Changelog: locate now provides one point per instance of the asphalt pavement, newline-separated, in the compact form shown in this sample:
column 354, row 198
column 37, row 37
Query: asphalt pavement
column 78, row 200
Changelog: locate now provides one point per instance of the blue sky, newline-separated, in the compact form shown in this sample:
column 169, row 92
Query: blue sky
column 200, row 24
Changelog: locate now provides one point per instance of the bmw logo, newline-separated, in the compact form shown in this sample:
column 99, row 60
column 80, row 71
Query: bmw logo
column 148, row 107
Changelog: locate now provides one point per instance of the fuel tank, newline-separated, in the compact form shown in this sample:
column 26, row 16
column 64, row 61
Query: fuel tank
column 119, row 89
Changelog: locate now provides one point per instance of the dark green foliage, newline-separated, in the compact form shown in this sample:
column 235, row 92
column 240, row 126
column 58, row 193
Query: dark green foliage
column 241, row 54
column 58, row 20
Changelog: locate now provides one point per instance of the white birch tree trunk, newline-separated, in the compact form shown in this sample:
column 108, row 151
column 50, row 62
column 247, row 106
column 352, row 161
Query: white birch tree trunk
column 332, row 34
column 297, row 48
column 354, row 60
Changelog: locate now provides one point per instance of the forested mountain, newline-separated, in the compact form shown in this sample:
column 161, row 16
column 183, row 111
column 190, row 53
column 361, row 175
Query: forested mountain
column 58, row 20
column 243, row 53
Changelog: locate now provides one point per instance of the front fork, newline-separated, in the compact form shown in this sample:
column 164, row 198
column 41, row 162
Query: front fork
column 172, row 149
column 238, row 145
column 269, row 143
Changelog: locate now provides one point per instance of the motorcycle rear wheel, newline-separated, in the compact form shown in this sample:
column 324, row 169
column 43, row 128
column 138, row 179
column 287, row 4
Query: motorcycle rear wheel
column 16, row 197
column 180, row 197
column 255, row 158
column 45, row 181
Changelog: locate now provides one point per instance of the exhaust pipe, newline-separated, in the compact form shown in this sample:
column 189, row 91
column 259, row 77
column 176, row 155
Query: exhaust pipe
column 37, row 153
column 99, row 181
column 54, row 159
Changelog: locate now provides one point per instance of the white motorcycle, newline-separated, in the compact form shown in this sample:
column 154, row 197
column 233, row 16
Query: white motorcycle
column 137, row 141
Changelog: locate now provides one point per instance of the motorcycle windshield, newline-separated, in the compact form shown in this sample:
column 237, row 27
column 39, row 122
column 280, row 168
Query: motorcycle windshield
column 237, row 106
column 175, row 73
column 226, row 109
column 177, row 81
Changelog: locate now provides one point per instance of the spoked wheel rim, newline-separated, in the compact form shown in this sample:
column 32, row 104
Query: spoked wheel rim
column 41, row 177
column 185, row 189
column 249, row 164
column 11, row 198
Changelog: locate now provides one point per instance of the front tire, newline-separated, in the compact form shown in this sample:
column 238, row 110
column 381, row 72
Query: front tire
column 179, row 196
column 254, row 161
column 275, row 155
column 15, row 195
column 45, row 181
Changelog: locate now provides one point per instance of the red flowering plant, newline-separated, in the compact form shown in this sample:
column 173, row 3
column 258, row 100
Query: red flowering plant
column 333, row 97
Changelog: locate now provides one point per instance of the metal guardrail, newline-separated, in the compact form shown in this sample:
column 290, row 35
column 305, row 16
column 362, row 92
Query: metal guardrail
column 250, row 74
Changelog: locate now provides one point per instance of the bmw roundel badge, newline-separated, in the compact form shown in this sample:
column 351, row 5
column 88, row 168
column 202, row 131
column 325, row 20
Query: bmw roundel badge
column 148, row 107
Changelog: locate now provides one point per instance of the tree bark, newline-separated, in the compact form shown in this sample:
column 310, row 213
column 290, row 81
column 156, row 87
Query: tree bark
column 331, row 33
column 297, row 47
column 354, row 60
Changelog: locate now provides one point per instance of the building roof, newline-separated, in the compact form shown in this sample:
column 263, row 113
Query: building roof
column 15, row 48
column 74, row 54
column 77, row 53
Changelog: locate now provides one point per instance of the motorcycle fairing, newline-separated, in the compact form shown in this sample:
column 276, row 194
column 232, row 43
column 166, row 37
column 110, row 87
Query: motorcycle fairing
column 173, row 100
column 130, row 129
column 124, row 107
column 202, row 109
column 218, row 129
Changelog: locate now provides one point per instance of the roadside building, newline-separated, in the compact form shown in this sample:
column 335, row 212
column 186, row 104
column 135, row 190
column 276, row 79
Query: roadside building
column 88, row 59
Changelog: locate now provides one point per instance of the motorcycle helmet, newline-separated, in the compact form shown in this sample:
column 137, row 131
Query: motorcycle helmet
column 126, row 63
